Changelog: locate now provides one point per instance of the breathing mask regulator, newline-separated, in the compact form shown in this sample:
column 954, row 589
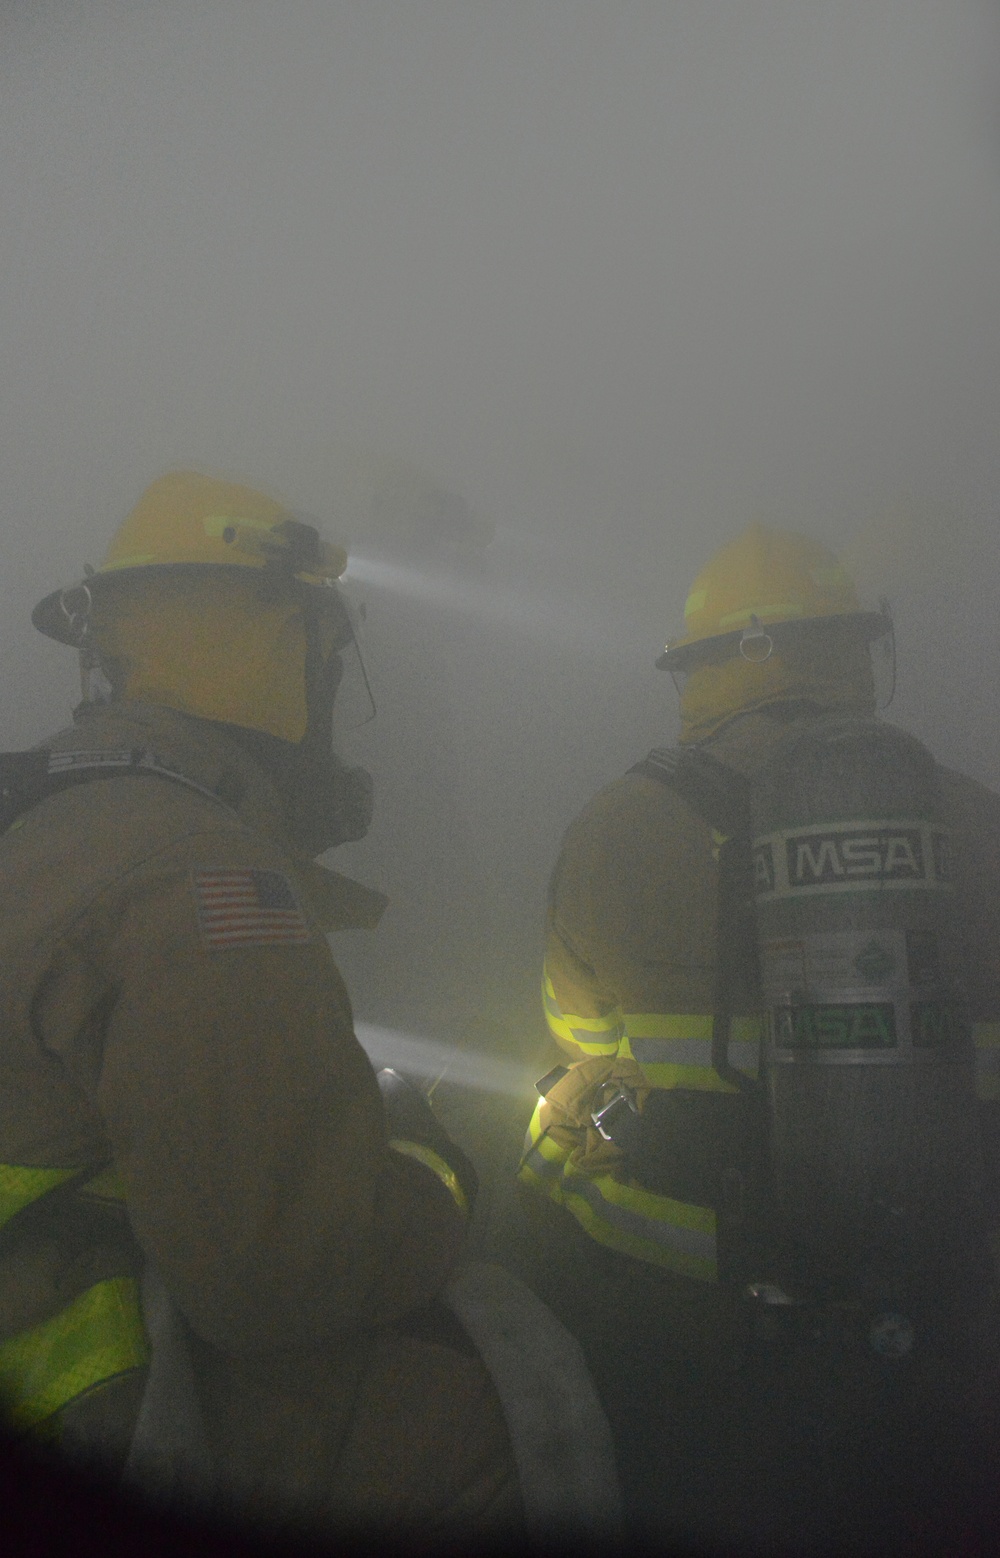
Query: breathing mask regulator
column 326, row 801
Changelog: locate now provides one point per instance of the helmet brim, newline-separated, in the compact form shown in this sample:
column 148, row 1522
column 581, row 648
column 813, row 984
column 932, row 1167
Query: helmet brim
column 686, row 653
column 55, row 617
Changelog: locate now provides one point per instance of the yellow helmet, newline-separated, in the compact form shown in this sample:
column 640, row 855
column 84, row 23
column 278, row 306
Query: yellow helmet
column 763, row 583
column 186, row 520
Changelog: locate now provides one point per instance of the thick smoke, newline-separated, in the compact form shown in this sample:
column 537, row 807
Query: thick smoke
column 535, row 305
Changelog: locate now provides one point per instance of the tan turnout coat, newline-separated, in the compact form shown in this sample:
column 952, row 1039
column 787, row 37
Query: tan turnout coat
column 223, row 1080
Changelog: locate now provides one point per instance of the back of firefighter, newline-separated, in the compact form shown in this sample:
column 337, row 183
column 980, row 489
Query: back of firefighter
column 180, row 1083
column 711, row 1450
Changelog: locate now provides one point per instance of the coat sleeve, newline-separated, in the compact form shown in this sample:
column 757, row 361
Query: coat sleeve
column 631, row 915
column 241, row 1110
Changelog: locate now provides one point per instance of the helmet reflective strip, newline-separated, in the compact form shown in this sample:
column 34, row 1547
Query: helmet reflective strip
column 136, row 560
column 778, row 613
column 215, row 524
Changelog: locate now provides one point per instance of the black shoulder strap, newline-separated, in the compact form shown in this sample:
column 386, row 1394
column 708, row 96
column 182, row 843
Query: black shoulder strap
column 722, row 797
column 27, row 778
column 718, row 794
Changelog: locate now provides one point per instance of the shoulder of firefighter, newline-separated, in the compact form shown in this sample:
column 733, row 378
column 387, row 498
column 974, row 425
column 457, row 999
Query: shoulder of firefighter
column 180, row 1075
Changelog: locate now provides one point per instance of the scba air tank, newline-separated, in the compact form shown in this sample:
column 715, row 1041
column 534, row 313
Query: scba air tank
column 868, row 1059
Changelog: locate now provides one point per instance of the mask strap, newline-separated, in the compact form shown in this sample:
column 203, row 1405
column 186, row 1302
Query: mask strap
column 322, row 677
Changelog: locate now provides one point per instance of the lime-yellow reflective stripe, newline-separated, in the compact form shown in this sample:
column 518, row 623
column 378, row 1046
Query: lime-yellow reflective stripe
column 215, row 524
column 763, row 613
column 652, row 1228
column 94, row 1339
column 668, row 1025
column 134, row 560
column 688, row 1025
column 535, row 1126
column 20, row 1186
column 674, row 1049
column 593, row 1035
column 986, row 1037
column 543, row 1158
column 436, row 1164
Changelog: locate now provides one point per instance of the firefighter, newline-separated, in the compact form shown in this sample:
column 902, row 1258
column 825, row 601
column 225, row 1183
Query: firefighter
column 633, row 1132
column 182, row 1088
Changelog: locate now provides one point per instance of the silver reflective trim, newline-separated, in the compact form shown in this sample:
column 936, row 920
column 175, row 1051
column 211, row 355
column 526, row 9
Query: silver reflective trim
column 67, row 762
column 692, row 1052
column 610, row 1036
column 687, row 1241
column 134, row 761
column 544, row 1167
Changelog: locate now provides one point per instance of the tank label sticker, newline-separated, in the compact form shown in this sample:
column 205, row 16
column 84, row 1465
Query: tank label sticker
column 856, row 961
column 851, row 857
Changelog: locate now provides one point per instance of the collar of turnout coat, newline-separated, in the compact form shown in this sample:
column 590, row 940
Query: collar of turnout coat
column 204, row 756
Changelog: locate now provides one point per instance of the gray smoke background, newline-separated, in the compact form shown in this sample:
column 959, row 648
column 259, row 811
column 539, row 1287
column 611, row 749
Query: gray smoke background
column 593, row 281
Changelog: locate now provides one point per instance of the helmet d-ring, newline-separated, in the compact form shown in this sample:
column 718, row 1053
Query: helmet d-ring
column 77, row 621
column 755, row 644
column 94, row 684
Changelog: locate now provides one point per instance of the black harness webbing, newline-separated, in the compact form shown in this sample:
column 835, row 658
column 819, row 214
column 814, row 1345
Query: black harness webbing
column 722, row 798
column 28, row 778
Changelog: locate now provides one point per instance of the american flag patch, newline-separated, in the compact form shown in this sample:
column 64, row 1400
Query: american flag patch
column 248, row 909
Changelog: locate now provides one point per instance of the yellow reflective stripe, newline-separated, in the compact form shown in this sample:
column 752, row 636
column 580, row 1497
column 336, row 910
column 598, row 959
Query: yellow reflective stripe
column 653, row 1228
column 986, row 1037
column 134, row 560
column 535, row 1126
column 542, row 1158
column 594, row 1035
column 215, row 524
column 20, row 1186
column 675, row 1049
column 437, row 1165
column 668, row 1025
column 93, row 1340
column 672, row 1234
column 762, row 613
column 689, row 1025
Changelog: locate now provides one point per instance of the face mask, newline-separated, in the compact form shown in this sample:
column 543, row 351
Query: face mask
column 326, row 802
